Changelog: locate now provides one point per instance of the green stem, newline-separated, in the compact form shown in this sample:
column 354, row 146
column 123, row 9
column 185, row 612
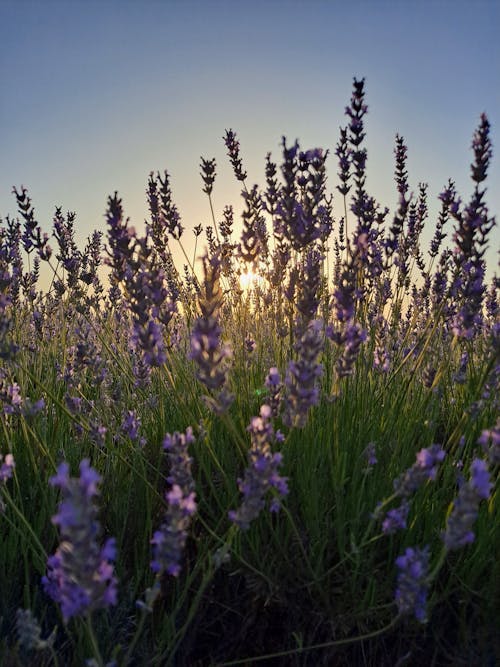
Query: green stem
column 314, row 647
column 93, row 641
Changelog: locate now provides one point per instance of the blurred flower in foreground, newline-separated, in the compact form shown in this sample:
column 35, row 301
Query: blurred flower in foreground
column 262, row 472
column 424, row 469
column 29, row 633
column 7, row 467
column 169, row 541
column 80, row 573
column 490, row 442
column 464, row 511
column 411, row 593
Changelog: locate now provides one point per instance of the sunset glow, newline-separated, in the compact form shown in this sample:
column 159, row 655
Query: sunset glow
column 250, row 280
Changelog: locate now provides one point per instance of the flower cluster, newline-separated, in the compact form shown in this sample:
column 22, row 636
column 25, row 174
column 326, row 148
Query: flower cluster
column 301, row 381
column 411, row 592
column 262, row 472
column 233, row 151
column 7, row 467
column 424, row 469
column 206, row 349
column 80, row 573
column 464, row 512
column 490, row 443
column 169, row 541
column 29, row 632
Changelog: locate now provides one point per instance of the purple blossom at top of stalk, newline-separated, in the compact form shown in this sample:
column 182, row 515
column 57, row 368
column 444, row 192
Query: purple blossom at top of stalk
column 7, row 467
column 253, row 236
column 301, row 381
column 309, row 282
column 120, row 239
column 411, row 592
column 490, row 443
column 11, row 400
column 401, row 175
column 226, row 226
column 169, row 541
column 208, row 174
column 464, row 511
column 481, row 145
column 206, row 348
column 470, row 236
column 343, row 153
column 301, row 214
column 275, row 386
column 424, row 469
column 80, row 573
column 169, row 214
column 131, row 424
column 370, row 454
column 262, row 472
column 353, row 337
column 272, row 191
column 176, row 446
column 395, row 519
column 233, row 151
column 32, row 236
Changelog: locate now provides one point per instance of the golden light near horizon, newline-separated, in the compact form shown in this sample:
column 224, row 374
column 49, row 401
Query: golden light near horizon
column 249, row 280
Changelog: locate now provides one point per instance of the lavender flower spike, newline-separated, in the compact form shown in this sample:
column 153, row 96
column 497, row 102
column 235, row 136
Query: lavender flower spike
column 262, row 472
column 425, row 468
column 302, row 390
column 7, row 467
column 80, row 573
column 411, row 593
column 169, row 541
column 464, row 512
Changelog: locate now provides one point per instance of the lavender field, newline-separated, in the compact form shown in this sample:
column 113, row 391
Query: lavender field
column 282, row 450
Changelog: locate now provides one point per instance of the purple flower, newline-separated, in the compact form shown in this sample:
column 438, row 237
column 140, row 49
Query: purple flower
column 208, row 174
column 10, row 396
column 233, row 151
column 275, row 386
column 371, row 457
column 411, row 592
column 301, row 381
column 464, row 511
column 169, row 541
column 80, row 573
column 249, row 344
column 176, row 447
column 395, row 519
column 424, row 469
column 490, row 443
column 7, row 467
column 352, row 338
column 481, row 478
column 29, row 632
column 342, row 151
column 262, row 472
column 131, row 424
column 206, row 349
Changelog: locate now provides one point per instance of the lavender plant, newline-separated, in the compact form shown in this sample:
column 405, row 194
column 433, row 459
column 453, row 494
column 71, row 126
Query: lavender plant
column 319, row 389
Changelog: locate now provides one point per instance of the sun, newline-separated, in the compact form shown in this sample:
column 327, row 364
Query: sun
column 249, row 280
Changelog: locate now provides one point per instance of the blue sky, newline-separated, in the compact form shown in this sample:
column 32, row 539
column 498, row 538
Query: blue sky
column 95, row 95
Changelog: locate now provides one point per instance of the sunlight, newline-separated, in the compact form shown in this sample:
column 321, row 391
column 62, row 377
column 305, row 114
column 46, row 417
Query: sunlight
column 249, row 280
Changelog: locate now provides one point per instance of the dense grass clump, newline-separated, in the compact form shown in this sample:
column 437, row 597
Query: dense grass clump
column 299, row 470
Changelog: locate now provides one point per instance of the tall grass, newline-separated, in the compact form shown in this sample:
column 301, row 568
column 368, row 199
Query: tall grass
column 301, row 472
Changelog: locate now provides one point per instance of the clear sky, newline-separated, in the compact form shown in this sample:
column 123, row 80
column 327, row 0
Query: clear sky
column 95, row 95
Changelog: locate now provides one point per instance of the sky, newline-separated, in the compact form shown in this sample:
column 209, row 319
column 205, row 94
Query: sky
column 97, row 94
